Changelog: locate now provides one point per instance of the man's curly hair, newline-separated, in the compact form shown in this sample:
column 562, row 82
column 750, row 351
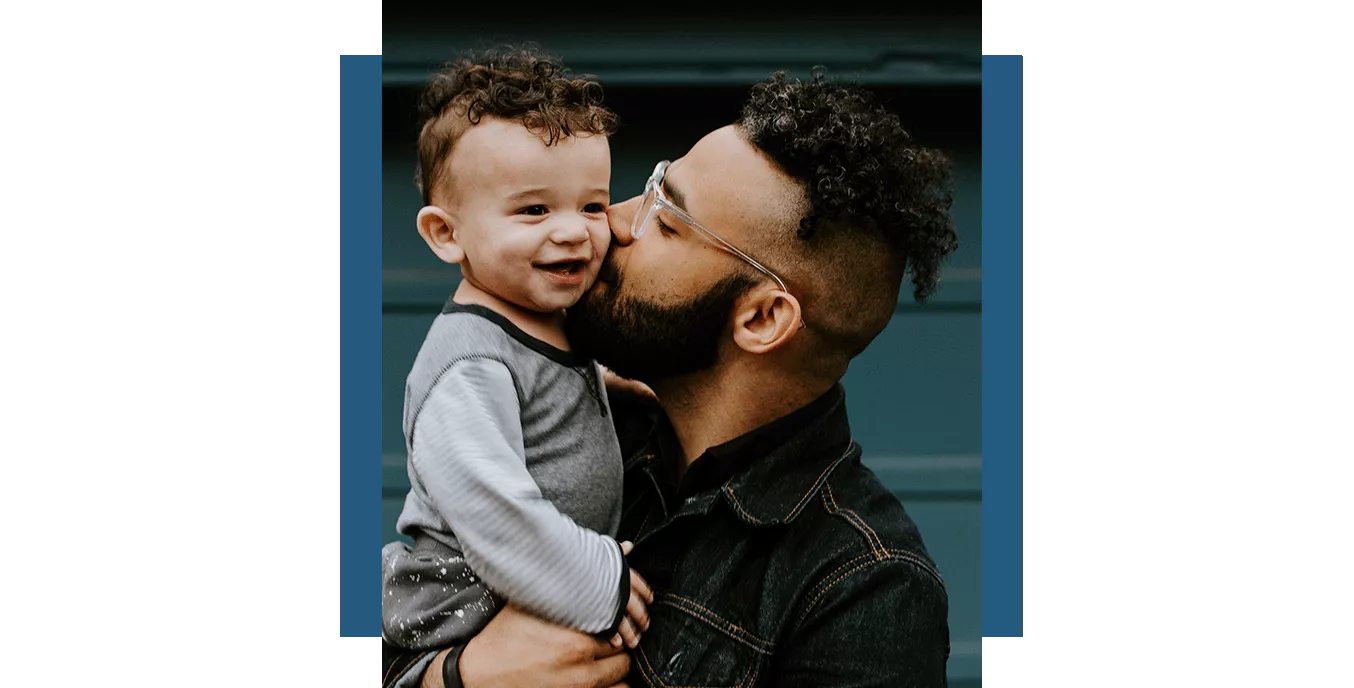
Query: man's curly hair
column 861, row 169
column 512, row 82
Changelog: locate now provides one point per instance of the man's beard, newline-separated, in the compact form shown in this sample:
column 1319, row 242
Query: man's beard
column 645, row 341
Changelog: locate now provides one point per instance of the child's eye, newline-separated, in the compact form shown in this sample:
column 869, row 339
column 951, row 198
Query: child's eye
column 533, row 210
column 594, row 208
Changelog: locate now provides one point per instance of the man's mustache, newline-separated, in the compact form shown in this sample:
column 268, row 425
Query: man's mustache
column 609, row 273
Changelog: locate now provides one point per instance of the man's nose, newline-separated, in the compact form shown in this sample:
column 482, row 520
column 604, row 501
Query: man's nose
column 621, row 216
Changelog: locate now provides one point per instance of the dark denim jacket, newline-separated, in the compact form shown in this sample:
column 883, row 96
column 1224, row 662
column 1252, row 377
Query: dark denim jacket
column 778, row 561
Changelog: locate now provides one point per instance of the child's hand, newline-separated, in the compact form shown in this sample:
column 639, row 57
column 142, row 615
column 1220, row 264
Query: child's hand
column 636, row 619
column 617, row 384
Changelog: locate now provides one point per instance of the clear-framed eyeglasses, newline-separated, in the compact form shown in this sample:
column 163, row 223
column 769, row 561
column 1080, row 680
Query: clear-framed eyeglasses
column 654, row 198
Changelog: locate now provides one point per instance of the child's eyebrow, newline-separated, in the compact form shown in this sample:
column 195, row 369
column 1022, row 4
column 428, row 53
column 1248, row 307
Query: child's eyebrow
column 539, row 190
column 524, row 193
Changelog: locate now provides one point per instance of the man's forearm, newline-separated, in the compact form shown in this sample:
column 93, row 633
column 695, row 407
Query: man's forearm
column 517, row 649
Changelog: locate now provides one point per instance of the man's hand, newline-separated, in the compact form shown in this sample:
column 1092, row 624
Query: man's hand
column 518, row 649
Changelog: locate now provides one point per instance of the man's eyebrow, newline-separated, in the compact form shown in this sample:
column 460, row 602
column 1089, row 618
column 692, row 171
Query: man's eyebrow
column 674, row 193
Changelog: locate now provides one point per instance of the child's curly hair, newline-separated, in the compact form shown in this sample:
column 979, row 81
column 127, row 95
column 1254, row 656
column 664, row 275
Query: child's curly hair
column 512, row 82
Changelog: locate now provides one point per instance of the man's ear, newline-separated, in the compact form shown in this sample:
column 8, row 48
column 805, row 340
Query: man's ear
column 436, row 228
column 766, row 321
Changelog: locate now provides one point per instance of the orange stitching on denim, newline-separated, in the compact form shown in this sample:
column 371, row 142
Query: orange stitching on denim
column 769, row 646
column 738, row 506
column 660, row 681
column 821, row 476
column 849, row 563
column 699, row 606
column 802, row 500
column 914, row 559
column 849, row 516
column 731, row 631
column 751, row 677
column 640, row 533
column 832, row 579
column 876, row 545
column 387, row 669
column 814, row 602
column 827, row 580
column 839, row 568
column 875, row 542
column 403, row 669
column 882, row 552
column 808, row 493
column 650, row 674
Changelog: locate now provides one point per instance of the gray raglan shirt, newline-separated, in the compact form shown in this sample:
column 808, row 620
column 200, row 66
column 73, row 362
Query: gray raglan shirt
column 513, row 461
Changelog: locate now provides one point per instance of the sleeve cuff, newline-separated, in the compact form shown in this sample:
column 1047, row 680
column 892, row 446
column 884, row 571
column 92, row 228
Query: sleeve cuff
column 622, row 598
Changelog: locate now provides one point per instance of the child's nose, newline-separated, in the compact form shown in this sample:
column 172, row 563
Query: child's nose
column 570, row 230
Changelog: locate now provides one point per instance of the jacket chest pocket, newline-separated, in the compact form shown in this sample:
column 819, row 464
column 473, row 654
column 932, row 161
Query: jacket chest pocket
column 689, row 646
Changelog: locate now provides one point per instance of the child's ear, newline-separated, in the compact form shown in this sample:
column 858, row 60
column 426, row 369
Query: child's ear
column 435, row 226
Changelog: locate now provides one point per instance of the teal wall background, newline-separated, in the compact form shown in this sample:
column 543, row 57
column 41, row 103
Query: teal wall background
column 914, row 395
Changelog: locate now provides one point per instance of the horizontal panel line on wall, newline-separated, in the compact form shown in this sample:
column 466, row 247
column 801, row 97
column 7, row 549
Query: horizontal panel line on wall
column 928, row 74
column 432, row 308
column 417, row 291
column 914, row 475
column 956, row 477
column 908, row 53
column 966, row 659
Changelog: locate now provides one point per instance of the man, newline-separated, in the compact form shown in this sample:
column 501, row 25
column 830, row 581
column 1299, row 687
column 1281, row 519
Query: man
column 738, row 287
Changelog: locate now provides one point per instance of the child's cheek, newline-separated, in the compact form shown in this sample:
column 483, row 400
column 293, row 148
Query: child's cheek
column 602, row 239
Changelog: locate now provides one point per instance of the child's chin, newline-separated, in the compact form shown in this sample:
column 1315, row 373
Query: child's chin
column 557, row 302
